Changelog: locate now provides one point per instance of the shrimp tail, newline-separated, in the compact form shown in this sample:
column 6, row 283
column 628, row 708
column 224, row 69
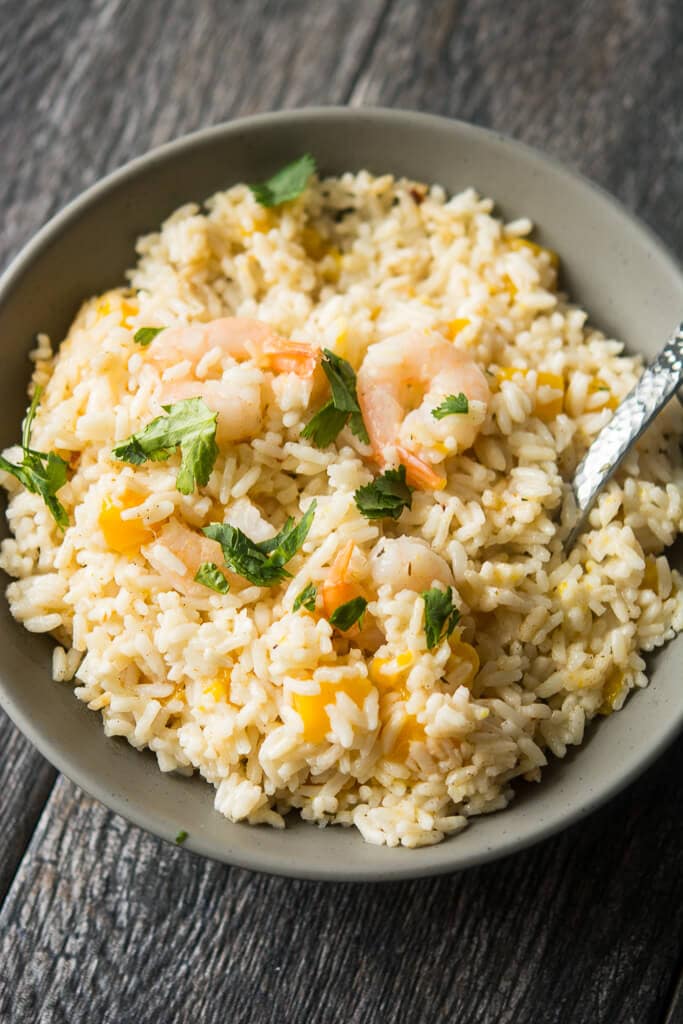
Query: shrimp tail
column 285, row 356
column 419, row 474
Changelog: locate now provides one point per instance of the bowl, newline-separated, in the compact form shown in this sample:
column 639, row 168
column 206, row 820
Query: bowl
column 613, row 266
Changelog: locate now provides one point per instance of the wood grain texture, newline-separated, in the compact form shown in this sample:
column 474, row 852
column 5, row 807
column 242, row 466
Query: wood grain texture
column 25, row 783
column 596, row 85
column 105, row 923
column 586, row 927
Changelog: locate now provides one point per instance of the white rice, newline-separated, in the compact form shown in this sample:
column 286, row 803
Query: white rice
column 416, row 740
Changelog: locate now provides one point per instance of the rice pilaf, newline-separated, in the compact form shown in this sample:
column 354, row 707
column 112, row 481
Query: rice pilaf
column 372, row 722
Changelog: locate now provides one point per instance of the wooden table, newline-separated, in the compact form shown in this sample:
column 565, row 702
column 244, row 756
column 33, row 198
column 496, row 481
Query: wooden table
column 102, row 923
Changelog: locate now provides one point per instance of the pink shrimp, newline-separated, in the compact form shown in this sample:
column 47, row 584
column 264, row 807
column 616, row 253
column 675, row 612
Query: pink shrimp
column 236, row 396
column 401, row 381
column 187, row 548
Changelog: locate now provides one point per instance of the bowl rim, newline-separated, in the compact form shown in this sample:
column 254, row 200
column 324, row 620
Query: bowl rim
column 257, row 860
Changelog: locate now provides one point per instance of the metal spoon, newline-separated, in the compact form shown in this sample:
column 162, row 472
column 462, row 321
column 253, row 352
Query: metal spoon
column 659, row 383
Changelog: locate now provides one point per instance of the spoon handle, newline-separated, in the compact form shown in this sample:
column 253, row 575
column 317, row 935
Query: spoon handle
column 659, row 382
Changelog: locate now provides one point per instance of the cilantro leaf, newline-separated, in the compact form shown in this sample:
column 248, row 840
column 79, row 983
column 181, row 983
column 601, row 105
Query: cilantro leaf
column 263, row 564
column 324, row 426
column 145, row 335
column 342, row 378
column 42, row 473
column 244, row 557
column 452, row 404
column 441, row 615
column 347, row 614
column 211, row 576
column 188, row 423
column 285, row 544
column 286, row 184
column 343, row 407
column 358, row 427
column 385, row 497
column 181, row 837
column 27, row 425
column 306, row 599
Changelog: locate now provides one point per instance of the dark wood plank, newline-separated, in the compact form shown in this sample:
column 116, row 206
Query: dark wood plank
column 596, row 85
column 105, row 923
column 85, row 87
column 25, row 783
column 578, row 929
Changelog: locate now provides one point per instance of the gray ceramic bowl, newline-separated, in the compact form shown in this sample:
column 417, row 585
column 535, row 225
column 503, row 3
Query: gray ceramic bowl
column 614, row 267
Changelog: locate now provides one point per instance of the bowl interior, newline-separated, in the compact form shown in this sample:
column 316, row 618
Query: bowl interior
column 612, row 266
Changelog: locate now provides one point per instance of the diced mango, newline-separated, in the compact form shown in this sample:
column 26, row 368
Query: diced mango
column 451, row 328
column 311, row 707
column 411, row 731
column 341, row 343
column 598, row 386
column 549, row 408
column 123, row 535
column 391, row 682
column 508, row 287
column 263, row 221
column 536, row 249
column 219, row 688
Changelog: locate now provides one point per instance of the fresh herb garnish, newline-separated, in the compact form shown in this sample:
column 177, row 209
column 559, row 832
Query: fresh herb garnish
column 263, row 564
column 190, row 424
column 343, row 407
column 306, row 599
column 286, row 184
column 441, row 615
column 324, row 426
column 347, row 614
column 181, row 837
column 145, row 335
column 42, row 473
column 211, row 576
column 385, row 497
column 452, row 404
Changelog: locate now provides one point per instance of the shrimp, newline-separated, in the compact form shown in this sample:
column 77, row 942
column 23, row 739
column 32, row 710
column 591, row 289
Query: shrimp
column 407, row 563
column 178, row 547
column 400, row 382
column 341, row 586
column 236, row 396
column 242, row 339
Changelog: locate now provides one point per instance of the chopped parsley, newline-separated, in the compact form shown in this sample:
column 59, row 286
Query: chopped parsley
column 452, row 404
column 385, row 497
column 263, row 563
column 188, row 423
column 42, row 473
column 441, row 615
column 288, row 183
column 306, row 599
column 211, row 576
column 145, row 335
column 181, row 837
column 347, row 614
column 341, row 409
column 324, row 426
